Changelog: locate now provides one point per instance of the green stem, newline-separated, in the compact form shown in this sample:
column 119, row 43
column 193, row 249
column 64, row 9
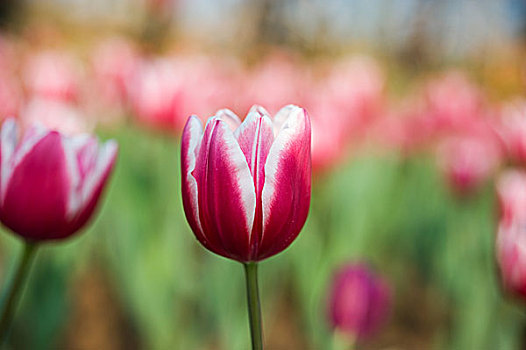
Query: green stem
column 254, row 309
column 12, row 294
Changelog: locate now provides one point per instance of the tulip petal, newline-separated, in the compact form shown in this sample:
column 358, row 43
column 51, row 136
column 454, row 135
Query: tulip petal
column 7, row 149
column 286, row 193
column 190, row 145
column 92, row 184
column 255, row 137
column 229, row 117
column 226, row 193
column 259, row 110
column 78, row 169
column 38, row 189
column 12, row 153
column 281, row 117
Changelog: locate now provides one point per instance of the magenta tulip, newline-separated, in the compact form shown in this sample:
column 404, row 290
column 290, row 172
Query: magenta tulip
column 358, row 301
column 246, row 186
column 50, row 183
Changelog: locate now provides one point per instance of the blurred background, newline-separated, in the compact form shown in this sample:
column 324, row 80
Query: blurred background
column 417, row 108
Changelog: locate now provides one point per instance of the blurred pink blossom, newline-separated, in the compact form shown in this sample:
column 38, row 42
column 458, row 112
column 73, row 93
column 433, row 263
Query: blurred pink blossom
column 115, row 61
column 53, row 75
column 511, row 234
column 513, row 129
column 452, row 102
column 10, row 96
column 359, row 301
column 166, row 91
column 63, row 117
column 342, row 104
column 275, row 82
column 467, row 159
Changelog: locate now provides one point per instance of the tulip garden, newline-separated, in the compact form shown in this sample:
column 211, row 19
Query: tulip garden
column 159, row 195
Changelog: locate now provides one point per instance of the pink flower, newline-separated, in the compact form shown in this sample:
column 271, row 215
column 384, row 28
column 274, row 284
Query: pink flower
column 342, row 105
column 246, row 186
column 115, row 61
column 359, row 301
column 53, row 75
column 55, row 115
column 10, row 96
column 50, row 183
column 511, row 235
column 468, row 159
column 155, row 94
column 513, row 130
column 276, row 81
column 453, row 101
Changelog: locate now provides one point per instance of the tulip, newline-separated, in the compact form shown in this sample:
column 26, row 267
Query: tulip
column 10, row 96
column 49, row 187
column 55, row 115
column 54, row 75
column 513, row 130
column 453, row 102
column 114, row 63
column 511, row 233
column 467, row 160
column 246, row 186
column 358, row 301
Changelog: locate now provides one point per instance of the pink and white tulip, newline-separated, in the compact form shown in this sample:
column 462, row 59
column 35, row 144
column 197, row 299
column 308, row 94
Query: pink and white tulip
column 50, row 183
column 246, row 186
column 511, row 234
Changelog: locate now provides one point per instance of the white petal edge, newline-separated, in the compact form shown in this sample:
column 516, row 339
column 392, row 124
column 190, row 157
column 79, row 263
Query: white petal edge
column 71, row 147
column 11, row 156
column 229, row 117
column 260, row 110
column 195, row 139
column 295, row 116
column 281, row 117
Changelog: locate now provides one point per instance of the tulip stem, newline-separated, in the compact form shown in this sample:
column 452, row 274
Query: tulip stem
column 12, row 294
column 254, row 309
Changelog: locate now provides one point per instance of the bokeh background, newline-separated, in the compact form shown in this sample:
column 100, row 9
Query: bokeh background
column 417, row 107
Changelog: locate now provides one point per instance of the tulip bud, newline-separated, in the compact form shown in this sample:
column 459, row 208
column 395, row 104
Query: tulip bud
column 511, row 234
column 246, row 186
column 358, row 301
column 50, row 183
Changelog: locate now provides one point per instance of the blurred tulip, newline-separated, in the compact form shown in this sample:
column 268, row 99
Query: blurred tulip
column 468, row 159
column 114, row 61
column 50, row 183
column 330, row 136
column 55, row 115
column 511, row 234
column 246, row 186
column 155, row 94
column 341, row 105
column 53, row 75
column 10, row 96
column 359, row 301
column 166, row 91
column 276, row 81
column 453, row 101
column 513, row 130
